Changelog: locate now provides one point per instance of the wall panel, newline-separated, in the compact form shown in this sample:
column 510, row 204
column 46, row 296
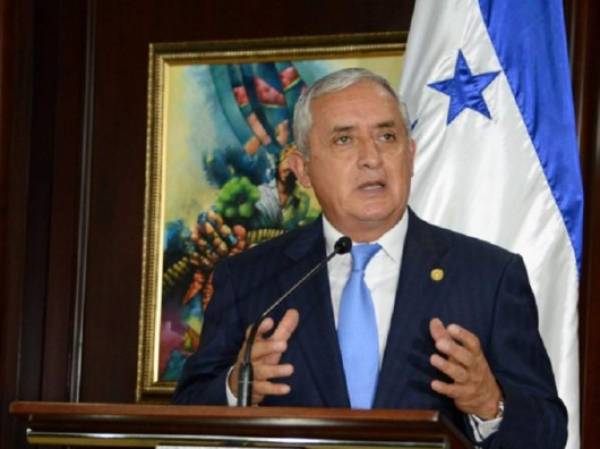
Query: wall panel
column 64, row 186
column 15, row 93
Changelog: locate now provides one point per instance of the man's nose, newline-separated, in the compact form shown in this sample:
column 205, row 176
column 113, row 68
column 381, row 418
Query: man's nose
column 369, row 154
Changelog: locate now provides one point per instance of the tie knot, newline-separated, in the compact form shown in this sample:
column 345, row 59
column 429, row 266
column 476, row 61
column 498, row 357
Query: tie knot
column 361, row 254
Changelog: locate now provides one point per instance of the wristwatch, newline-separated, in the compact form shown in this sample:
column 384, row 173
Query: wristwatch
column 500, row 412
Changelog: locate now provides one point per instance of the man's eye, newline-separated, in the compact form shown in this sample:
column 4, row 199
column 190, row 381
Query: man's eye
column 343, row 140
column 388, row 137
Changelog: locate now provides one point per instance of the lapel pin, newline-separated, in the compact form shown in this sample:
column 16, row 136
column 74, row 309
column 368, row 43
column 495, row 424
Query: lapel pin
column 437, row 274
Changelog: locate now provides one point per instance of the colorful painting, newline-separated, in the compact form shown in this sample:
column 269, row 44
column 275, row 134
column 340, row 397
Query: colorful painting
column 219, row 136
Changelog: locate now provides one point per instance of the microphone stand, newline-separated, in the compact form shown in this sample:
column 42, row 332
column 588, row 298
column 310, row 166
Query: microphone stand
column 246, row 373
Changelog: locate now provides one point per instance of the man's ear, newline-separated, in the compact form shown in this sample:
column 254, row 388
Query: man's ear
column 299, row 166
column 412, row 147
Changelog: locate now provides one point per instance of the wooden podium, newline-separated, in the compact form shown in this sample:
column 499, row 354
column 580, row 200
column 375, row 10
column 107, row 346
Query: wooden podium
column 134, row 425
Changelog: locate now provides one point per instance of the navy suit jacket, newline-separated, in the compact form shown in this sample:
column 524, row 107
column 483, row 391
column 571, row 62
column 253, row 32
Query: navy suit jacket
column 484, row 289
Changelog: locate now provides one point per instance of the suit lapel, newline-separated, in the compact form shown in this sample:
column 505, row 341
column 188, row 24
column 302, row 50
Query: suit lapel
column 412, row 308
column 316, row 334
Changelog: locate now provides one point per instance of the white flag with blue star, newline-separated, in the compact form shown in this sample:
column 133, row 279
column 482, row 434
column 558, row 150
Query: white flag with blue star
column 488, row 91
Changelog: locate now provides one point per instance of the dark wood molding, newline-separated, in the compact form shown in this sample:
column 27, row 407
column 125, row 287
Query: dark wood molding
column 143, row 425
column 64, row 204
column 584, row 26
column 84, row 205
column 15, row 93
column 8, row 312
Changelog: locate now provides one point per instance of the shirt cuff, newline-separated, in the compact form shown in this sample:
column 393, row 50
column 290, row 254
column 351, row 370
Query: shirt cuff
column 483, row 429
column 231, row 399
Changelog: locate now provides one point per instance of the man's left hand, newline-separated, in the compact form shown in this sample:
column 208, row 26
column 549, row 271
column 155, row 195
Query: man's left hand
column 474, row 388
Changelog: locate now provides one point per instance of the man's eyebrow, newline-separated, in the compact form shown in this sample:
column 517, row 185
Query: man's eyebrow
column 386, row 124
column 342, row 128
column 346, row 128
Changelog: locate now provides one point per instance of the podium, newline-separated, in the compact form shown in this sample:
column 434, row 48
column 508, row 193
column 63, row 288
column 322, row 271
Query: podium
column 142, row 425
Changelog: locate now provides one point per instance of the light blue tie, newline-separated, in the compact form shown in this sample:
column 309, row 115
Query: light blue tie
column 357, row 331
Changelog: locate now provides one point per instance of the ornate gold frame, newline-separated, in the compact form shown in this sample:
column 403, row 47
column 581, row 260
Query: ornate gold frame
column 161, row 56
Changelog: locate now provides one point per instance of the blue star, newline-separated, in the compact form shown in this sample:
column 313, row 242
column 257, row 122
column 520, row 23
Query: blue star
column 465, row 89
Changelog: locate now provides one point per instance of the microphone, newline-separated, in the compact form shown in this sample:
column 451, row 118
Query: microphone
column 245, row 378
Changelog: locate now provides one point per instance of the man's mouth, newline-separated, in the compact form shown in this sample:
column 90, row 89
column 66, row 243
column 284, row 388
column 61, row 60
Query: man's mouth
column 373, row 185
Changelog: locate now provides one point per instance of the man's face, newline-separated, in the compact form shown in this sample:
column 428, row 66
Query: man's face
column 360, row 160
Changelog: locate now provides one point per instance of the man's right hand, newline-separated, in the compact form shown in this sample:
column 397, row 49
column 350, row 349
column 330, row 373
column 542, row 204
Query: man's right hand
column 265, row 357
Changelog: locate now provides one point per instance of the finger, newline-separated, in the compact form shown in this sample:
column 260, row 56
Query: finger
column 268, row 372
column 287, row 325
column 451, row 369
column 272, row 358
column 468, row 339
column 284, row 330
column 266, row 388
column 437, row 329
column 452, row 391
column 455, row 351
column 257, row 398
column 266, row 348
column 265, row 326
column 282, row 333
column 465, row 400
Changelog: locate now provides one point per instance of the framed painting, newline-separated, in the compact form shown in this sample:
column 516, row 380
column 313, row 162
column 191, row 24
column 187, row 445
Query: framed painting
column 217, row 181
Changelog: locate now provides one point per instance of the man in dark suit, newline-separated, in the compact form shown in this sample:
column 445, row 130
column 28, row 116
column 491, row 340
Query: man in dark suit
column 454, row 318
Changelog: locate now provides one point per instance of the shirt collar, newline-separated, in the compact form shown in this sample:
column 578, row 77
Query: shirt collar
column 392, row 242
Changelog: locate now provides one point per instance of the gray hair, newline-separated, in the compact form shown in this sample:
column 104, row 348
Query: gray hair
column 335, row 82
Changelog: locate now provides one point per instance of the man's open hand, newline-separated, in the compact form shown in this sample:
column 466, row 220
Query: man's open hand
column 474, row 388
column 265, row 357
